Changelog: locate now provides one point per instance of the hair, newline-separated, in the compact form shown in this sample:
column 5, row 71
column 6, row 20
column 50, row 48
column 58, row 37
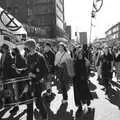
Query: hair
column 63, row 45
column 5, row 46
column 16, row 50
column 30, row 43
column 48, row 44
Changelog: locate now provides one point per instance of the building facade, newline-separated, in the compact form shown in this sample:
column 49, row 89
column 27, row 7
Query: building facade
column 83, row 38
column 43, row 18
column 113, row 33
column 68, row 31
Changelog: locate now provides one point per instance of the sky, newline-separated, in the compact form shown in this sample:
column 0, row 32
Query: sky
column 78, row 15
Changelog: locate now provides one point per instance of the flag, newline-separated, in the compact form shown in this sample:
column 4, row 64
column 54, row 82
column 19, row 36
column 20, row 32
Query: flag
column 10, row 23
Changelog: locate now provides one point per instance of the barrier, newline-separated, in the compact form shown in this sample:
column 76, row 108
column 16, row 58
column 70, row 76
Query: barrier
column 16, row 91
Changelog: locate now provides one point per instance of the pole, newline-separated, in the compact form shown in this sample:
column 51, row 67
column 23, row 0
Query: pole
column 90, row 31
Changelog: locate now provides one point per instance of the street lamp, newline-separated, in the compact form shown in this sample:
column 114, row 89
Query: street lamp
column 97, row 4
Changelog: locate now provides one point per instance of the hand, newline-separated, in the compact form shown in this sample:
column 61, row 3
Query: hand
column 31, row 75
column 42, row 80
column 14, row 66
column 26, row 89
column 18, row 71
column 59, row 65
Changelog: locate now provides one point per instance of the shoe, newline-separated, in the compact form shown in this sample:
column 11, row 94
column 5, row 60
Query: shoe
column 14, row 110
column 85, row 109
column 45, row 118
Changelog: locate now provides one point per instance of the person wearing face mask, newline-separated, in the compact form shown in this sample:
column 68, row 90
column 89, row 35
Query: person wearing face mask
column 82, row 95
column 106, row 64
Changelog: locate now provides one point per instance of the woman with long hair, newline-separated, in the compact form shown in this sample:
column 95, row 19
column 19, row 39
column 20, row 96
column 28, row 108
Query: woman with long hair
column 82, row 93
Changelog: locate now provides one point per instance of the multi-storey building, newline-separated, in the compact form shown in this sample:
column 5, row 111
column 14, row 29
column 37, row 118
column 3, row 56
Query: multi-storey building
column 68, row 31
column 43, row 18
column 113, row 33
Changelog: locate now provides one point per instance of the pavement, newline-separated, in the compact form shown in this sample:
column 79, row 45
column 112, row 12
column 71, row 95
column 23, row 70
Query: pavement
column 104, row 106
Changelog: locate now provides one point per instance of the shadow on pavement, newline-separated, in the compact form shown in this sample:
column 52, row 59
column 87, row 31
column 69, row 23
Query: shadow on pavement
column 4, row 111
column 11, row 117
column 113, row 97
column 92, row 88
column 62, row 113
column 81, row 115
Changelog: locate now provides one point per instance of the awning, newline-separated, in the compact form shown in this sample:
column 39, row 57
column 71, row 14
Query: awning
column 10, row 23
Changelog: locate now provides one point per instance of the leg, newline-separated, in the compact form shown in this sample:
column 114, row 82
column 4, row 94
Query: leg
column 39, row 102
column 30, row 111
column 64, row 89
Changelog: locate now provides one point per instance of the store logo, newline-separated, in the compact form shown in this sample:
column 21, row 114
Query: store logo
column 9, row 21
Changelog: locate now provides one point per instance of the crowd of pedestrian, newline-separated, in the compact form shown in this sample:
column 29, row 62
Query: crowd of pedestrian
column 59, row 67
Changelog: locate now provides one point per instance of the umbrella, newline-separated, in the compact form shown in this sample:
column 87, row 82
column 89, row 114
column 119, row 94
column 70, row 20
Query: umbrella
column 10, row 24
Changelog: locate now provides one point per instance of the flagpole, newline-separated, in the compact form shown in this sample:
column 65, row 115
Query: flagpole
column 93, row 14
column 91, row 24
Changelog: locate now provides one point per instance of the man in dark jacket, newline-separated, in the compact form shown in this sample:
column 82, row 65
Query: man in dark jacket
column 50, row 58
column 37, row 69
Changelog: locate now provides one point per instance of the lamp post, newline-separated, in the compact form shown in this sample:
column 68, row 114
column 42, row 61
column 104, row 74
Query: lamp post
column 97, row 5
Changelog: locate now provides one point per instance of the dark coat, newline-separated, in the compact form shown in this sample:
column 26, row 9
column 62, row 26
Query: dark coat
column 6, row 67
column 50, row 58
column 80, row 82
column 20, row 61
column 37, row 65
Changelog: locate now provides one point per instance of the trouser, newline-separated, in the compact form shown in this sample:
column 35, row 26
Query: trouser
column 81, row 93
column 64, row 90
column 39, row 102
column 63, row 81
column 37, row 87
column 106, row 77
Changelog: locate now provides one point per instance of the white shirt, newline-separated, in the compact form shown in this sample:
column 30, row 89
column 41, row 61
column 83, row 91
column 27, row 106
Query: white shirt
column 61, row 57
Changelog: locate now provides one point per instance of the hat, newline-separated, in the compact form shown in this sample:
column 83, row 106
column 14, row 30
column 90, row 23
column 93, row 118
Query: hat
column 30, row 43
column 63, row 45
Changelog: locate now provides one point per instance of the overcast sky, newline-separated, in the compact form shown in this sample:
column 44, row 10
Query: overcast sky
column 78, row 14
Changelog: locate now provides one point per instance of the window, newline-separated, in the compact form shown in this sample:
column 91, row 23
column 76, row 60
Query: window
column 59, row 13
column 29, row 12
column 59, row 4
column 41, row 1
column 59, row 23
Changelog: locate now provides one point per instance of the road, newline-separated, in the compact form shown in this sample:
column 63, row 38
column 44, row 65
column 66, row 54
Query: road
column 105, row 107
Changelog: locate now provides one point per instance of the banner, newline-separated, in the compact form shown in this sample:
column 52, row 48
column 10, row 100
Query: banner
column 10, row 24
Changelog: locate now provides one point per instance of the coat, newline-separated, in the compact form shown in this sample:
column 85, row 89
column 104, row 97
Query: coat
column 80, row 81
